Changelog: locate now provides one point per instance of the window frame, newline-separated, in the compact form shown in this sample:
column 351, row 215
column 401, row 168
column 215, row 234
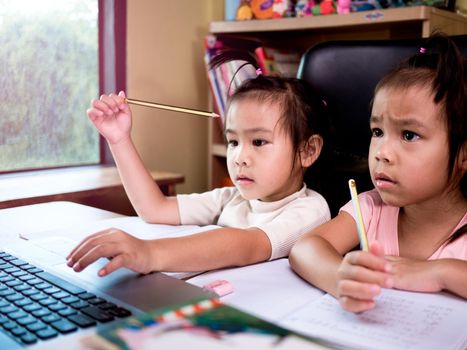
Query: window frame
column 112, row 40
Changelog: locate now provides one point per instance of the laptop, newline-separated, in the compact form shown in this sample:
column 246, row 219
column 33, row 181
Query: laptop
column 41, row 298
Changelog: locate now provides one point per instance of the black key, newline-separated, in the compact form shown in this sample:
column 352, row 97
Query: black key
column 38, row 296
column 26, row 277
column 36, row 326
column 86, row 296
column 69, row 300
column 58, row 306
column 52, row 290
column 6, row 278
column 96, row 301
column 51, row 318
column 97, row 314
column 67, row 312
column 18, row 262
column 17, row 331
column 32, row 307
column 9, row 325
column 3, row 319
column 35, row 270
column 23, row 302
column 59, row 295
column 64, row 326
column 8, row 309
column 26, row 320
column 28, row 338
column 82, row 320
column 30, row 291
column 6, row 292
column 8, row 257
column 119, row 312
column 34, row 281
column 47, row 333
column 17, row 314
column 79, row 304
column 19, row 273
column 43, row 285
column 41, row 312
column 14, row 297
column 106, row 306
column 21, row 287
column 11, row 270
column 13, row 283
column 61, row 283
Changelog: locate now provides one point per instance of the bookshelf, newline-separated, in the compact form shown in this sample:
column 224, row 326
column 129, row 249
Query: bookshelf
column 302, row 33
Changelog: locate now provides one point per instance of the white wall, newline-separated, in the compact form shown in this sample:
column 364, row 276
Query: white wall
column 165, row 64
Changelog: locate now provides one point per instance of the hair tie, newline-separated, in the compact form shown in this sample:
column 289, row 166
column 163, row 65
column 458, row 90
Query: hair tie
column 259, row 71
column 422, row 50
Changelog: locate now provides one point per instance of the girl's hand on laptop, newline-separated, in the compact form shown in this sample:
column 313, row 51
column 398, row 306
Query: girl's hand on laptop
column 122, row 249
column 361, row 276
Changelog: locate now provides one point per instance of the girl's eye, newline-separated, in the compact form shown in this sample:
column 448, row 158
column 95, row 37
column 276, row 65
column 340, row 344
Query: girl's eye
column 233, row 143
column 376, row 132
column 410, row 135
column 259, row 142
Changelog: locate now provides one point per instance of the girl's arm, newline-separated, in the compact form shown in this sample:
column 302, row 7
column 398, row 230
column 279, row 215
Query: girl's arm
column 147, row 199
column 354, row 280
column 209, row 250
column 430, row 275
column 317, row 256
column 113, row 119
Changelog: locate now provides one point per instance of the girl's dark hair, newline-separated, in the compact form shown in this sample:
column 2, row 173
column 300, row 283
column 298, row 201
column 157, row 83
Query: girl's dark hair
column 303, row 112
column 440, row 65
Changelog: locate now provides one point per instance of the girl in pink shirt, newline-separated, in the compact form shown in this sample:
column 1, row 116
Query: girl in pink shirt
column 416, row 215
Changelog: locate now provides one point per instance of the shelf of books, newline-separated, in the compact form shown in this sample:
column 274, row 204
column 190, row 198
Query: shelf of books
column 279, row 43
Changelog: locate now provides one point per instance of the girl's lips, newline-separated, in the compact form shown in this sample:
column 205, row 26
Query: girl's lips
column 383, row 181
column 242, row 180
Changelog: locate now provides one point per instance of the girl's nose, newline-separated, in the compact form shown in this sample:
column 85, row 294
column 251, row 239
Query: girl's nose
column 383, row 152
column 242, row 157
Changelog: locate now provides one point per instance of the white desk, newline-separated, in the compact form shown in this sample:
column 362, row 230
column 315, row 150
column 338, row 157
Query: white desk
column 269, row 290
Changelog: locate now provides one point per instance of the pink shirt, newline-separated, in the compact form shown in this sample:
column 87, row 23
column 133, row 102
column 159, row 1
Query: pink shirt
column 381, row 224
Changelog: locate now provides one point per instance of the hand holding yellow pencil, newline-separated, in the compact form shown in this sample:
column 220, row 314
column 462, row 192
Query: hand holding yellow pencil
column 358, row 215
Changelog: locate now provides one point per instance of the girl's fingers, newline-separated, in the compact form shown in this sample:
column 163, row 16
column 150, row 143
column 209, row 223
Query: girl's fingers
column 368, row 260
column 365, row 275
column 106, row 250
column 87, row 244
column 114, row 264
column 357, row 290
column 355, row 305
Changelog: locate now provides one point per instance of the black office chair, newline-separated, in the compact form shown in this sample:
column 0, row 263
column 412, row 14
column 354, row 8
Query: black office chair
column 345, row 74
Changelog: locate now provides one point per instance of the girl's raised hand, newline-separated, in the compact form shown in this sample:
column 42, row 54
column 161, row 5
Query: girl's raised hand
column 111, row 115
column 361, row 276
column 122, row 249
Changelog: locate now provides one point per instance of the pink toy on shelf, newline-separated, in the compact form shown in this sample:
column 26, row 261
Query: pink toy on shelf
column 343, row 6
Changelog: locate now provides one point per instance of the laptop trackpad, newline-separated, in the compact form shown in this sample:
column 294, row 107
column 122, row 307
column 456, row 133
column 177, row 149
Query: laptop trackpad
column 144, row 292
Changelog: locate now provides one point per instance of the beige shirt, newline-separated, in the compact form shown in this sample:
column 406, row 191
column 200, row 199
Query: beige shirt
column 283, row 221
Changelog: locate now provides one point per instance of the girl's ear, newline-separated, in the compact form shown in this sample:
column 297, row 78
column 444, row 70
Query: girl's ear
column 462, row 159
column 311, row 150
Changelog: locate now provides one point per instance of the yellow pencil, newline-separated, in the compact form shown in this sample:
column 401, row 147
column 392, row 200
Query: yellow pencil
column 171, row 108
column 358, row 215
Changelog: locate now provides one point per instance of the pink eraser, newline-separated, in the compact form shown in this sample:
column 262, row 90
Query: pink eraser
column 220, row 287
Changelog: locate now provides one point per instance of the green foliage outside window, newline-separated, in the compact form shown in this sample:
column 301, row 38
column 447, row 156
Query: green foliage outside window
column 48, row 75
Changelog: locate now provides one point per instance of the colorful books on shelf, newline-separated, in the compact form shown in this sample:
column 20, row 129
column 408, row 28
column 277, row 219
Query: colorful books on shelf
column 200, row 324
column 227, row 77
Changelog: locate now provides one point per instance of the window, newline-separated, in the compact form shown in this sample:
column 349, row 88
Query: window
column 56, row 56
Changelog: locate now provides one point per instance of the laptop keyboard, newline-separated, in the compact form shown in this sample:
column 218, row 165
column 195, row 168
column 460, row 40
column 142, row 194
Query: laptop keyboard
column 36, row 305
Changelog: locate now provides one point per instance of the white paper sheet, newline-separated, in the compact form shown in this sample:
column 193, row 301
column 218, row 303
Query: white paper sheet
column 270, row 290
column 400, row 320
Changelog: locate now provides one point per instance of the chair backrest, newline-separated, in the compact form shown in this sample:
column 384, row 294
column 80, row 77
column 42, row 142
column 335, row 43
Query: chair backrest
column 345, row 74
